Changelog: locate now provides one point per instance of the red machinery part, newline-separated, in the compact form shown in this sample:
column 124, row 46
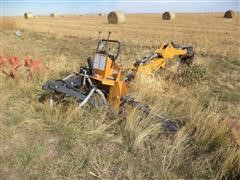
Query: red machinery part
column 10, row 65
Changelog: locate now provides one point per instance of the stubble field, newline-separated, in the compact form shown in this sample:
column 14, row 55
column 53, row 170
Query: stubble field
column 38, row 142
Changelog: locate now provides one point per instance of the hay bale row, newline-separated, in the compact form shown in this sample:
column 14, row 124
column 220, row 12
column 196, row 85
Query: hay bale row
column 116, row 17
column 28, row 15
column 168, row 15
column 229, row 14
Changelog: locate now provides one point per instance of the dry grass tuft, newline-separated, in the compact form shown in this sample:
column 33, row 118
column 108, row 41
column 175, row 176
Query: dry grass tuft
column 185, row 75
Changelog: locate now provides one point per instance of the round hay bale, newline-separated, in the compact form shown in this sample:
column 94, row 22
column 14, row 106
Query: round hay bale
column 168, row 15
column 100, row 14
column 229, row 14
column 28, row 15
column 116, row 17
column 54, row 15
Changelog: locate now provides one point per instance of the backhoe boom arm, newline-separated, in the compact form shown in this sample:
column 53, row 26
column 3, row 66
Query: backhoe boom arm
column 157, row 60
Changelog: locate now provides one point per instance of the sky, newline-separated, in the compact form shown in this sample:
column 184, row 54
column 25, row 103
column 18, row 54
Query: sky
column 44, row 7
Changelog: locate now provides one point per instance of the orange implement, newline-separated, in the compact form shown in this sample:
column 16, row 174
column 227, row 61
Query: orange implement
column 13, row 62
column 33, row 66
column 10, row 65
column 3, row 60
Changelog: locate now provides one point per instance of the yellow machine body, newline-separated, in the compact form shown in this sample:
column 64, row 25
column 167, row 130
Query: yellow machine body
column 110, row 76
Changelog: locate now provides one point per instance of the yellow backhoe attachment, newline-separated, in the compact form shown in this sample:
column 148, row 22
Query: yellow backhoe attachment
column 159, row 59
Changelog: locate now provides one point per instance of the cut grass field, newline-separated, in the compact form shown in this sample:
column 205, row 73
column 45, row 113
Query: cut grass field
column 38, row 142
